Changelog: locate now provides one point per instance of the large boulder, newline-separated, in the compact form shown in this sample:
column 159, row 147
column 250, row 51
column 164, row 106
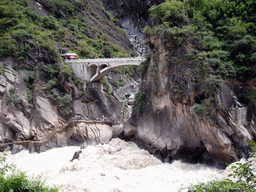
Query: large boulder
column 89, row 134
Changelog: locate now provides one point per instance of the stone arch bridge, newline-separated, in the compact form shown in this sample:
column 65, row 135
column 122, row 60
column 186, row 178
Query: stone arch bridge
column 96, row 69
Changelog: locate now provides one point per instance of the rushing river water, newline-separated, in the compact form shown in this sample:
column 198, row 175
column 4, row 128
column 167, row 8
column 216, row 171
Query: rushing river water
column 115, row 167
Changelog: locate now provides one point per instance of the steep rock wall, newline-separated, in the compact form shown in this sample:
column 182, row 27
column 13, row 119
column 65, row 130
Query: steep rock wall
column 167, row 125
column 41, row 125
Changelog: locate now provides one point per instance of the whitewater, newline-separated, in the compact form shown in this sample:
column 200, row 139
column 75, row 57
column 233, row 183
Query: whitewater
column 118, row 166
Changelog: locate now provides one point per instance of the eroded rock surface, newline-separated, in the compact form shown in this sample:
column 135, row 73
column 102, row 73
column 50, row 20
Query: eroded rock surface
column 41, row 125
column 168, row 126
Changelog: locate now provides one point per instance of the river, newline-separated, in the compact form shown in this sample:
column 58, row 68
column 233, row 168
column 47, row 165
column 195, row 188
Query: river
column 118, row 166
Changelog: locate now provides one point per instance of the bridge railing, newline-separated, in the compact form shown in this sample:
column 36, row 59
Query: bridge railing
column 105, row 59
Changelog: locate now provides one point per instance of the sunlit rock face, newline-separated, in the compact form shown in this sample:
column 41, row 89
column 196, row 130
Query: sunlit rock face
column 41, row 125
column 168, row 126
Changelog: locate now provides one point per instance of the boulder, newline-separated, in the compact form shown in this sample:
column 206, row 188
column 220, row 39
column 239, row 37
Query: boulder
column 90, row 134
column 18, row 123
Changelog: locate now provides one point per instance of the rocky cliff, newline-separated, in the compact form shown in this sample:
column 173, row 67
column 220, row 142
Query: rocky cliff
column 183, row 110
column 132, row 16
column 43, row 124
column 167, row 121
column 43, row 105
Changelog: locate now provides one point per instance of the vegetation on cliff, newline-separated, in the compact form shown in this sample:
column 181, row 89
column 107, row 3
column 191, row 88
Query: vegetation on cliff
column 31, row 33
column 64, row 24
column 218, row 36
column 225, row 30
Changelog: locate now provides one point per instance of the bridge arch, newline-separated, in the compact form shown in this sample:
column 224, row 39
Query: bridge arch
column 103, row 66
column 93, row 68
column 104, row 71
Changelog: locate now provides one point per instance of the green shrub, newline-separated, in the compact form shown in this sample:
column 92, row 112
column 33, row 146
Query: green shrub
column 18, row 181
column 121, row 82
column 50, row 71
column 242, row 172
column 52, row 83
column 67, row 72
column 62, row 100
column 32, row 14
column 13, row 100
column 73, row 27
column 22, row 35
column 170, row 12
column 252, row 96
column 8, row 47
column 105, row 83
column 50, row 22
column 140, row 99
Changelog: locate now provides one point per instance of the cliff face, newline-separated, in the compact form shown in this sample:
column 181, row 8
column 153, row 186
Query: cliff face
column 167, row 123
column 43, row 124
column 135, row 10
column 132, row 16
column 40, row 98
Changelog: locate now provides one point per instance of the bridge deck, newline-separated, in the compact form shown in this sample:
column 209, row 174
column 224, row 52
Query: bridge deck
column 95, row 60
column 96, row 69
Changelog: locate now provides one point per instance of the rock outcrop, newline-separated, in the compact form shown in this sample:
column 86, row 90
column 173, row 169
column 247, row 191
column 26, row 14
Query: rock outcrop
column 40, row 125
column 133, row 16
column 167, row 124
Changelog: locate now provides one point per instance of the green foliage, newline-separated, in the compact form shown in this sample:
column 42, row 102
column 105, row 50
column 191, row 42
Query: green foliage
column 121, row 82
column 242, row 172
column 200, row 108
column 140, row 99
column 22, row 35
column 50, row 71
column 5, row 167
column 76, row 81
column 105, row 83
column 67, row 72
column 211, row 84
column 126, row 70
column 50, row 22
column 170, row 13
column 61, row 8
column 52, row 83
column 8, row 47
column 223, row 27
column 13, row 100
column 252, row 96
column 2, row 71
column 223, row 186
column 18, row 181
column 29, row 78
column 143, row 67
column 21, row 26
column 64, row 102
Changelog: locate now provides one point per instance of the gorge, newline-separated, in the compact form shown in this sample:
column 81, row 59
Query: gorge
column 194, row 94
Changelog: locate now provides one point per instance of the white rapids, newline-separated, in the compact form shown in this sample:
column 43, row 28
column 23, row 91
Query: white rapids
column 118, row 166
